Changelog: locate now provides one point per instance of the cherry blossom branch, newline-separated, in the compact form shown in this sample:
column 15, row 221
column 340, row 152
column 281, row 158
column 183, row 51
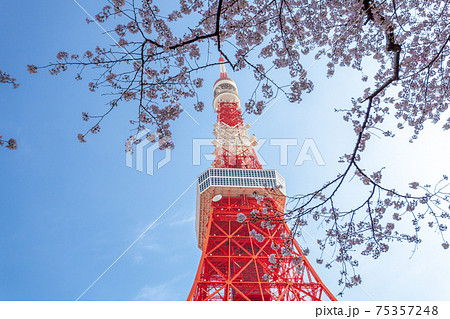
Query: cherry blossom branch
column 7, row 79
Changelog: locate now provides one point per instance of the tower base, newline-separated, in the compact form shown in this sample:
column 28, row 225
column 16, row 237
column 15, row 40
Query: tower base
column 250, row 254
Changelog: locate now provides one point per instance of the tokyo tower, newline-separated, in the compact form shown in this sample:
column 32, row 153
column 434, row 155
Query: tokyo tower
column 248, row 251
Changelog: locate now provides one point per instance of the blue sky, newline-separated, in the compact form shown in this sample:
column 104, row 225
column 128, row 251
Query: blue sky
column 68, row 210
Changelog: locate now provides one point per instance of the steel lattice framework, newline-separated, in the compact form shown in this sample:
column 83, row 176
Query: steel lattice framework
column 248, row 251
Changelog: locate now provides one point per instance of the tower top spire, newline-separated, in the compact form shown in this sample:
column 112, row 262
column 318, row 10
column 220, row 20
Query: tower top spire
column 225, row 90
column 223, row 71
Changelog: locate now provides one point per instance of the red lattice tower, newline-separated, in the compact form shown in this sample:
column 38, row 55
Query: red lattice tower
column 248, row 251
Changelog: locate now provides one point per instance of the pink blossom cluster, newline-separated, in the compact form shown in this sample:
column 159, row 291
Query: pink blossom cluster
column 10, row 144
column 6, row 78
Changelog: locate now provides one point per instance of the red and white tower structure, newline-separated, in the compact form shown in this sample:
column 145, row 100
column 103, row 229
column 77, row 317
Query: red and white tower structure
column 248, row 251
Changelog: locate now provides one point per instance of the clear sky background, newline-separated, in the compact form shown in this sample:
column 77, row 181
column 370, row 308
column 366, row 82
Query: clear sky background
column 68, row 210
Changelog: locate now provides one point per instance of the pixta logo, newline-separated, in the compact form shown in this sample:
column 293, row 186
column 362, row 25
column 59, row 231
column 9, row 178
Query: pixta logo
column 308, row 152
column 141, row 148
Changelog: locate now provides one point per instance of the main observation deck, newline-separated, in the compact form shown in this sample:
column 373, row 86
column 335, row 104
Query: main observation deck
column 234, row 182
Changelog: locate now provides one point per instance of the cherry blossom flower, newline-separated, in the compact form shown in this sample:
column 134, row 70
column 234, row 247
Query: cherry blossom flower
column 81, row 138
column 266, row 277
column 133, row 27
column 62, row 55
column 85, row 116
column 272, row 258
column 95, row 129
column 12, row 144
column 241, row 218
column 120, row 30
column 32, row 68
